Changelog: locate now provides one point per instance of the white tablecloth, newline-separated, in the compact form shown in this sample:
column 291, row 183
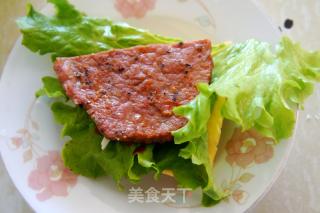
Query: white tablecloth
column 298, row 187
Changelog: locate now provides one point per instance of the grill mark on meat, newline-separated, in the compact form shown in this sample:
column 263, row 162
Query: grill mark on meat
column 130, row 93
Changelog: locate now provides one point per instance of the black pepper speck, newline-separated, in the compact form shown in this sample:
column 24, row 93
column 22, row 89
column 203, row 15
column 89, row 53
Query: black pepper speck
column 288, row 23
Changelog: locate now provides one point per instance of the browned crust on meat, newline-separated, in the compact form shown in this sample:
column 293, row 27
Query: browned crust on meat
column 130, row 93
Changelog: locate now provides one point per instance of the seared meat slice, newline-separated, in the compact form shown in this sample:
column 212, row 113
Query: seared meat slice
column 130, row 93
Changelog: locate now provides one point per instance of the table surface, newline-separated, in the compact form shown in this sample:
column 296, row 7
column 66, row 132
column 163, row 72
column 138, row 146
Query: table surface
column 297, row 189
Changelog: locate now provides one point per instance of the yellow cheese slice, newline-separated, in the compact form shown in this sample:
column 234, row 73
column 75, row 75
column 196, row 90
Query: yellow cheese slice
column 168, row 172
column 214, row 132
column 214, row 128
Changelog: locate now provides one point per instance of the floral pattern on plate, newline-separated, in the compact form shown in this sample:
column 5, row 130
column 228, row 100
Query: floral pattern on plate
column 134, row 8
column 244, row 150
column 50, row 177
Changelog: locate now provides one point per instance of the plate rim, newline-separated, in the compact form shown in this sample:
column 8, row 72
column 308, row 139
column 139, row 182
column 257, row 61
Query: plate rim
column 267, row 189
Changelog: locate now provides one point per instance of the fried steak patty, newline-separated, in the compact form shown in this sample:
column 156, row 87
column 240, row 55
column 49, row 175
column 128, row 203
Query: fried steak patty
column 130, row 93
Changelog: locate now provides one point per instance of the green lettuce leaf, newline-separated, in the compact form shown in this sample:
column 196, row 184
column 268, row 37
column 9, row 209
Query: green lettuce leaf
column 195, row 135
column 264, row 87
column 52, row 88
column 83, row 153
column 145, row 159
column 72, row 33
column 197, row 112
column 188, row 174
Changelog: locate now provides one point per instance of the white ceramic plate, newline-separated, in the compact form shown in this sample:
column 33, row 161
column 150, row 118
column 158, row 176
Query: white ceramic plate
column 30, row 141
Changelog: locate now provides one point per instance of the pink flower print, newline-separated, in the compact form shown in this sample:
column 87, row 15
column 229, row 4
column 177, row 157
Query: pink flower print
column 16, row 142
column 51, row 178
column 134, row 8
column 248, row 147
